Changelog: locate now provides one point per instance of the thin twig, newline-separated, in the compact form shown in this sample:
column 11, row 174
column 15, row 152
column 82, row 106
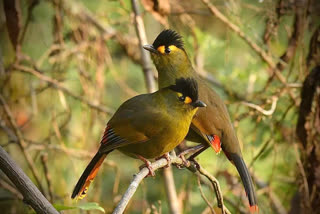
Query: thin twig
column 274, row 199
column 137, row 180
column 31, row 194
column 44, row 160
column 263, row 55
column 304, row 177
column 260, row 109
column 216, row 186
column 299, row 23
column 145, row 56
column 160, row 163
column 22, row 143
column 204, row 197
column 171, row 192
column 11, row 189
column 60, row 87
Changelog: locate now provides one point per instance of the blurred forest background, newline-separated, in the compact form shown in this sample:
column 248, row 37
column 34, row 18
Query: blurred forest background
column 67, row 65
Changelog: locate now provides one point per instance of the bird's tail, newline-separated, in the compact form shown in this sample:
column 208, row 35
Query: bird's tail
column 81, row 188
column 246, row 180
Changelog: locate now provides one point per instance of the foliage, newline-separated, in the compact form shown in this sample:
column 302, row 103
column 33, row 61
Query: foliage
column 75, row 62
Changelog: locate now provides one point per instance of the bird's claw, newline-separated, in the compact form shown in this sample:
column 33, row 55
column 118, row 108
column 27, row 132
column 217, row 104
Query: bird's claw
column 148, row 165
column 167, row 157
column 185, row 162
column 150, row 168
column 151, row 171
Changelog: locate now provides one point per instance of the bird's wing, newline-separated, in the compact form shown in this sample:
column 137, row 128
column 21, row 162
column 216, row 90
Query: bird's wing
column 132, row 124
column 112, row 140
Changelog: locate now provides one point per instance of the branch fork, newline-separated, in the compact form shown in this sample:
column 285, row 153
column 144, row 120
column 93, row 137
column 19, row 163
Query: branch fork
column 178, row 161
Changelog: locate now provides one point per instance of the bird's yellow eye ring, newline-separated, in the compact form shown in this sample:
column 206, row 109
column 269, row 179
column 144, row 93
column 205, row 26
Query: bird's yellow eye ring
column 161, row 49
column 166, row 50
column 184, row 99
column 187, row 100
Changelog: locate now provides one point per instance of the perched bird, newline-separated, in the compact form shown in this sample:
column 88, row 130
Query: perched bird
column 210, row 125
column 146, row 126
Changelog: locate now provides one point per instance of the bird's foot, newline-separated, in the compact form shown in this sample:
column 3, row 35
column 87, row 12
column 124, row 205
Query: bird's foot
column 185, row 162
column 167, row 157
column 148, row 165
column 215, row 143
column 196, row 150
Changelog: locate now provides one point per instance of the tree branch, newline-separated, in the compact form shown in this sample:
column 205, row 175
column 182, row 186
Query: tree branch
column 260, row 109
column 60, row 87
column 151, row 87
column 194, row 167
column 137, row 178
column 215, row 184
column 145, row 56
column 263, row 55
column 31, row 194
column 297, row 34
column 21, row 142
column 172, row 197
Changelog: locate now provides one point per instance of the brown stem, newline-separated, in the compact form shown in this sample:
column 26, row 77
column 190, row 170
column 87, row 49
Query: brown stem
column 163, row 162
column 297, row 34
column 22, row 143
column 150, row 83
column 263, row 55
column 44, row 160
column 59, row 86
column 31, row 194
column 145, row 56
column 174, row 205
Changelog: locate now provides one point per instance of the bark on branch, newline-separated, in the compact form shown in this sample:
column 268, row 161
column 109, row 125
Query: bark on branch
column 194, row 167
column 31, row 194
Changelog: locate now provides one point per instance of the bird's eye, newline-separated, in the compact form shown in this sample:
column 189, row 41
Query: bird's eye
column 167, row 50
column 182, row 98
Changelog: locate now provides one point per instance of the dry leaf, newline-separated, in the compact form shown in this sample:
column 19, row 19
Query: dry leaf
column 159, row 10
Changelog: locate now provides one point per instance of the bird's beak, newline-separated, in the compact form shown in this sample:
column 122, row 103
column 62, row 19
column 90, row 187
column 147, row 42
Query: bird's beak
column 199, row 103
column 150, row 48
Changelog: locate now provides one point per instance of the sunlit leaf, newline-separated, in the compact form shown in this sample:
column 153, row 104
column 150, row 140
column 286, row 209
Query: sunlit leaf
column 86, row 206
column 91, row 206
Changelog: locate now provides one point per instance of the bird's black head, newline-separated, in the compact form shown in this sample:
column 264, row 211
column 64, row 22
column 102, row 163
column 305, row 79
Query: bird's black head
column 166, row 42
column 187, row 90
column 169, row 57
column 167, row 38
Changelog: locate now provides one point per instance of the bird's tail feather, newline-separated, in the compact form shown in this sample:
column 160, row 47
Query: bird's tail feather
column 87, row 176
column 246, row 180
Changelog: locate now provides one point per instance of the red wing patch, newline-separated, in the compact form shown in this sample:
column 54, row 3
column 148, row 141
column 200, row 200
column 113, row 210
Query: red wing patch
column 215, row 142
column 106, row 135
column 111, row 140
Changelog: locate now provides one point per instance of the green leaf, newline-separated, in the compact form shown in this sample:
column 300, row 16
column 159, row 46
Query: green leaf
column 91, row 206
column 61, row 207
column 86, row 206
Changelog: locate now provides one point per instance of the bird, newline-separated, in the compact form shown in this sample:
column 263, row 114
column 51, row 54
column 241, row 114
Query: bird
column 146, row 126
column 211, row 126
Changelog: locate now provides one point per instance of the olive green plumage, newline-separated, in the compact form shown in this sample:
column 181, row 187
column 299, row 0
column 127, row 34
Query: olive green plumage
column 171, row 61
column 152, row 119
column 147, row 126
